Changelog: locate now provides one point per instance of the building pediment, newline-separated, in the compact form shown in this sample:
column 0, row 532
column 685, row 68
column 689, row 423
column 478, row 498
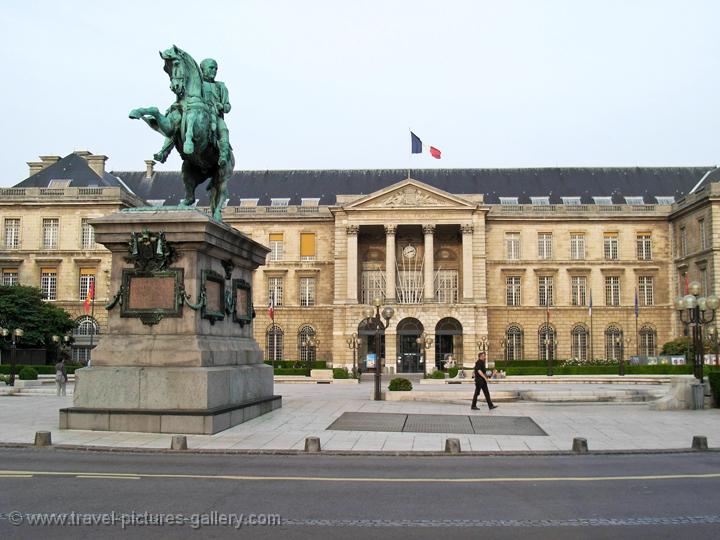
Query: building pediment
column 409, row 194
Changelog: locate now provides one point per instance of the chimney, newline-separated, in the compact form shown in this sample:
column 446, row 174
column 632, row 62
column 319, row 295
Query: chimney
column 97, row 163
column 82, row 153
column 35, row 167
column 149, row 168
column 49, row 160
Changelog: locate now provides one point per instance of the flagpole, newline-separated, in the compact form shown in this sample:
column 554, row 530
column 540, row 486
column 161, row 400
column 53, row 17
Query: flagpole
column 409, row 155
column 592, row 333
column 637, row 313
column 92, row 316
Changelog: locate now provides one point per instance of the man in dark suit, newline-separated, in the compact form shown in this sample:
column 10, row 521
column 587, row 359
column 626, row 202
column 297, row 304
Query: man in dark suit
column 481, row 383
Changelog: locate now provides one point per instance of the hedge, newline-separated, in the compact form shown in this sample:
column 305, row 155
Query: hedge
column 400, row 384
column 290, row 371
column 28, row 374
column 602, row 370
column 340, row 373
column 41, row 370
column 295, row 364
column 714, row 379
column 437, row 375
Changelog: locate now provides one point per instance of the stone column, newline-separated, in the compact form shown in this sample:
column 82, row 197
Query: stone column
column 429, row 264
column 467, row 266
column 352, row 263
column 390, row 263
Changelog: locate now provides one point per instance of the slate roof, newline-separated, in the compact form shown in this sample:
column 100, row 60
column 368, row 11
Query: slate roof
column 615, row 182
column 493, row 183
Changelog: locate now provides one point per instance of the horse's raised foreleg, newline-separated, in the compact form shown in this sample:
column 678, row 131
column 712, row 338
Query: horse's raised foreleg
column 155, row 119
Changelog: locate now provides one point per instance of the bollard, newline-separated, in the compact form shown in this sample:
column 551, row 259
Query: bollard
column 43, row 438
column 699, row 442
column 179, row 442
column 452, row 446
column 312, row 444
column 580, row 445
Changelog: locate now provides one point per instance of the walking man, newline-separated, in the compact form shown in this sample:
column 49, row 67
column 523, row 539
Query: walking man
column 481, row 383
column 60, row 377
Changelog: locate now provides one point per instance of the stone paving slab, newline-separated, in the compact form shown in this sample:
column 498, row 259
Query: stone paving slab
column 505, row 425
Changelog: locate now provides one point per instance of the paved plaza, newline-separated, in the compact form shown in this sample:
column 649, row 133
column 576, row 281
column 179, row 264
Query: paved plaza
column 309, row 410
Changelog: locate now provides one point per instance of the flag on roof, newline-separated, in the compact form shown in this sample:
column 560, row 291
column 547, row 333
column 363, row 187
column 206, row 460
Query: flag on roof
column 417, row 147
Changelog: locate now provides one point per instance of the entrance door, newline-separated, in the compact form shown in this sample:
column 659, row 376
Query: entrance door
column 443, row 348
column 409, row 356
column 448, row 342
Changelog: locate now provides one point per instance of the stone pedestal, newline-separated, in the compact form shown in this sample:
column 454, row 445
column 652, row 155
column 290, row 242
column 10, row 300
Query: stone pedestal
column 179, row 356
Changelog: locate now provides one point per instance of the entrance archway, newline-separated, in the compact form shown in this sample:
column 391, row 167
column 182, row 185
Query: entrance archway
column 448, row 342
column 408, row 350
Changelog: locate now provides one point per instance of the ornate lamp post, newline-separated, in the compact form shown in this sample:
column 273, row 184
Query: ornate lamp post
column 623, row 344
column 697, row 311
column 60, row 343
column 483, row 344
column 310, row 342
column 713, row 333
column 503, row 345
column 353, row 342
column 13, row 336
column 425, row 343
column 375, row 321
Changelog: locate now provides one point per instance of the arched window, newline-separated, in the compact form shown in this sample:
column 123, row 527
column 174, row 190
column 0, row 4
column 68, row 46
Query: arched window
column 648, row 341
column 86, row 326
column 514, row 348
column 547, row 344
column 613, row 343
column 579, row 342
column 307, row 353
column 274, row 340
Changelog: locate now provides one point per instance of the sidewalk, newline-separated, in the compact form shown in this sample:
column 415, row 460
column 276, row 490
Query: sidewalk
column 309, row 409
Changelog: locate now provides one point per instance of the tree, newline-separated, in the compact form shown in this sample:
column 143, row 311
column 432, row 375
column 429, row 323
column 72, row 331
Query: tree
column 684, row 346
column 24, row 307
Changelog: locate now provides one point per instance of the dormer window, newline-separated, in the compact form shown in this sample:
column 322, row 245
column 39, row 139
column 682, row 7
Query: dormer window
column 309, row 202
column 248, row 202
column 279, row 202
column 634, row 200
column 540, row 201
column 508, row 201
column 156, row 202
column 58, row 183
column 665, row 200
column 603, row 201
column 571, row 201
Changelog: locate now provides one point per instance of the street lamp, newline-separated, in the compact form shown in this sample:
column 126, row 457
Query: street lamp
column 425, row 342
column 623, row 344
column 14, row 336
column 549, row 342
column 374, row 321
column 483, row 344
column 353, row 342
column 60, row 343
column 503, row 345
column 697, row 311
column 310, row 342
column 713, row 333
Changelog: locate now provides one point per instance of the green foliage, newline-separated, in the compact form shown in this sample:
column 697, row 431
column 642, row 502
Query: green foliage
column 290, row 371
column 23, row 307
column 437, row 375
column 684, row 346
column 340, row 373
column 452, row 372
column 296, row 364
column 28, row 374
column 603, row 370
column 400, row 384
column 714, row 379
column 5, row 379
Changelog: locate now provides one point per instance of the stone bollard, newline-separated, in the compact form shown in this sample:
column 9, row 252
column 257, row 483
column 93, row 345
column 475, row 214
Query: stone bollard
column 580, row 445
column 699, row 442
column 312, row 444
column 43, row 438
column 179, row 442
column 452, row 446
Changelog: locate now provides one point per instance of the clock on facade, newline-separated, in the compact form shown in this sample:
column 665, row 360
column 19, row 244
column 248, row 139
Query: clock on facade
column 409, row 251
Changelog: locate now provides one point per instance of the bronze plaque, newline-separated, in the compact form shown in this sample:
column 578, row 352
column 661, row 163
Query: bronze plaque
column 157, row 292
column 215, row 300
column 241, row 302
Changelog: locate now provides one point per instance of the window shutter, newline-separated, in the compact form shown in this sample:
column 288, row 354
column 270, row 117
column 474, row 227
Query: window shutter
column 276, row 237
column 307, row 244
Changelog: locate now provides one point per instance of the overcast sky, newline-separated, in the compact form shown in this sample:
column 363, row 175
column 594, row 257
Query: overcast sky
column 337, row 84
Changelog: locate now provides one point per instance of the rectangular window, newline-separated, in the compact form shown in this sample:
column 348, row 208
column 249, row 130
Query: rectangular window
column 276, row 246
column 87, row 234
column 87, row 276
column 545, row 291
column 545, row 246
column 12, row 233
column 307, row 292
column 645, row 291
column 275, row 290
column 610, row 247
column 446, row 286
column 48, row 283
column 682, row 242
column 51, row 229
column 701, row 227
column 577, row 247
column 9, row 277
column 512, row 246
column 612, row 291
column 644, row 246
column 373, row 285
column 512, row 290
column 81, row 355
column 307, row 246
column 578, row 288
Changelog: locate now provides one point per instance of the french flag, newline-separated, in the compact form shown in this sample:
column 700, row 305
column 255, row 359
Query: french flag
column 417, row 147
column 271, row 308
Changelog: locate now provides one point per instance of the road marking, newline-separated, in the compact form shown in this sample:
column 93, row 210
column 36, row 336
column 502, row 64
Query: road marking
column 103, row 476
column 16, row 475
column 248, row 478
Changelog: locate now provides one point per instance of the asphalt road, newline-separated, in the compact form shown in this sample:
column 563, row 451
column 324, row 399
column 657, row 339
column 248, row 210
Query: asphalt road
column 315, row 496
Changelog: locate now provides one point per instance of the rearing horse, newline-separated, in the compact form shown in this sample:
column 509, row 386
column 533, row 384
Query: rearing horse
column 187, row 124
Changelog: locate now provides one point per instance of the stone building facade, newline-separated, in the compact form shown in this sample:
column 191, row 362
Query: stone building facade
column 530, row 263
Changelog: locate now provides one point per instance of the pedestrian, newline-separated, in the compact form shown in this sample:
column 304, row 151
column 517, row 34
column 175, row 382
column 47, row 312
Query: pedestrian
column 481, row 383
column 60, row 377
